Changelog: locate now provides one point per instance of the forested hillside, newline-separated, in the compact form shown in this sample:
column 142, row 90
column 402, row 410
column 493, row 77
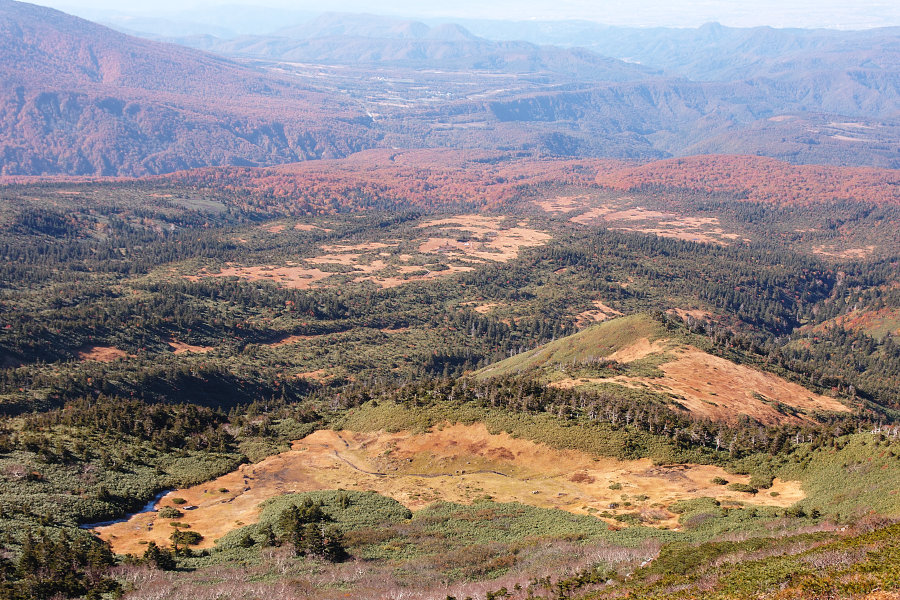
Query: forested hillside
column 82, row 99
column 761, row 180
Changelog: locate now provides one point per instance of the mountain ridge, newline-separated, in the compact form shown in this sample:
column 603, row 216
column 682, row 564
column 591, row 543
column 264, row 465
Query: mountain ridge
column 80, row 98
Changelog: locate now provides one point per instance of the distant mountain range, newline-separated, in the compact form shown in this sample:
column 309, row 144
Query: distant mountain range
column 336, row 38
column 78, row 98
column 713, row 52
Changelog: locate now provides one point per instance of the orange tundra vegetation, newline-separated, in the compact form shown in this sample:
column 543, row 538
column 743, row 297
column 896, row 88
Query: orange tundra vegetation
column 386, row 178
column 761, row 179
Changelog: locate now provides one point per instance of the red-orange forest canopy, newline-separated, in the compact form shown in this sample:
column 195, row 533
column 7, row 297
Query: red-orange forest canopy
column 385, row 178
column 761, row 179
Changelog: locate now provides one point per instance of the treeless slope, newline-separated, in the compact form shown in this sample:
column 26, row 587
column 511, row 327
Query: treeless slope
column 718, row 389
column 762, row 179
column 877, row 322
column 610, row 340
column 100, row 353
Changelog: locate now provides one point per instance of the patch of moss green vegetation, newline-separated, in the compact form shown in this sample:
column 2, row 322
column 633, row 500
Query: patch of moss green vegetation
column 808, row 566
column 461, row 541
column 587, row 347
column 858, row 475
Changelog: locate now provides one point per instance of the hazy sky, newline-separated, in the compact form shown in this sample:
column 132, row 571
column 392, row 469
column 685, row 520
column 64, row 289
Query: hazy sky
column 843, row 14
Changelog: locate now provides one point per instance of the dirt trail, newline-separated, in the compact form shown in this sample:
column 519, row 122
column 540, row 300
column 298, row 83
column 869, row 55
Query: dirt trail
column 456, row 463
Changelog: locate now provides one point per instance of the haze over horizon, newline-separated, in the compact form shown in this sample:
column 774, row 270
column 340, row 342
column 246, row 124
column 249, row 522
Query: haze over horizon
column 830, row 14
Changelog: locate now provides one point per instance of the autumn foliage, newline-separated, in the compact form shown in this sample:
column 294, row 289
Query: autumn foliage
column 391, row 178
column 761, row 179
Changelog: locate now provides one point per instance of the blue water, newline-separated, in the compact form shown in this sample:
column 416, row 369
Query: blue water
column 149, row 507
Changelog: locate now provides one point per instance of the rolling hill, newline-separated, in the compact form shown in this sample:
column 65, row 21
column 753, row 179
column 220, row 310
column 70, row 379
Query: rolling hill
column 637, row 352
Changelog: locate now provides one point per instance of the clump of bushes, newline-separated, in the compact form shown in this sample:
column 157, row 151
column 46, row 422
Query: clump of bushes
column 762, row 482
column 581, row 477
column 169, row 512
column 184, row 538
column 305, row 527
column 743, row 487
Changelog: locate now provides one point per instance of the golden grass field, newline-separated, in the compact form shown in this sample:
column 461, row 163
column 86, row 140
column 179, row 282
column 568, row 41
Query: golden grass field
column 456, row 463
column 715, row 388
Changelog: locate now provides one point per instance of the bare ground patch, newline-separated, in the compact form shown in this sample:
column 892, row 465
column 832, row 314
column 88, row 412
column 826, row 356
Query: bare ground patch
column 456, row 463
column 294, row 277
column 100, row 353
column 484, row 309
column 495, row 241
column 621, row 214
column 677, row 234
column 635, row 214
column 663, row 224
column 592, row 215
column 563, row 204
column 310, row 227
column 638, row 350
column 282, row 227
column 320, row 375
column 356, row 247
column 706, row 230
column 500, row 247
column 472, row 223
column 289, row 340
